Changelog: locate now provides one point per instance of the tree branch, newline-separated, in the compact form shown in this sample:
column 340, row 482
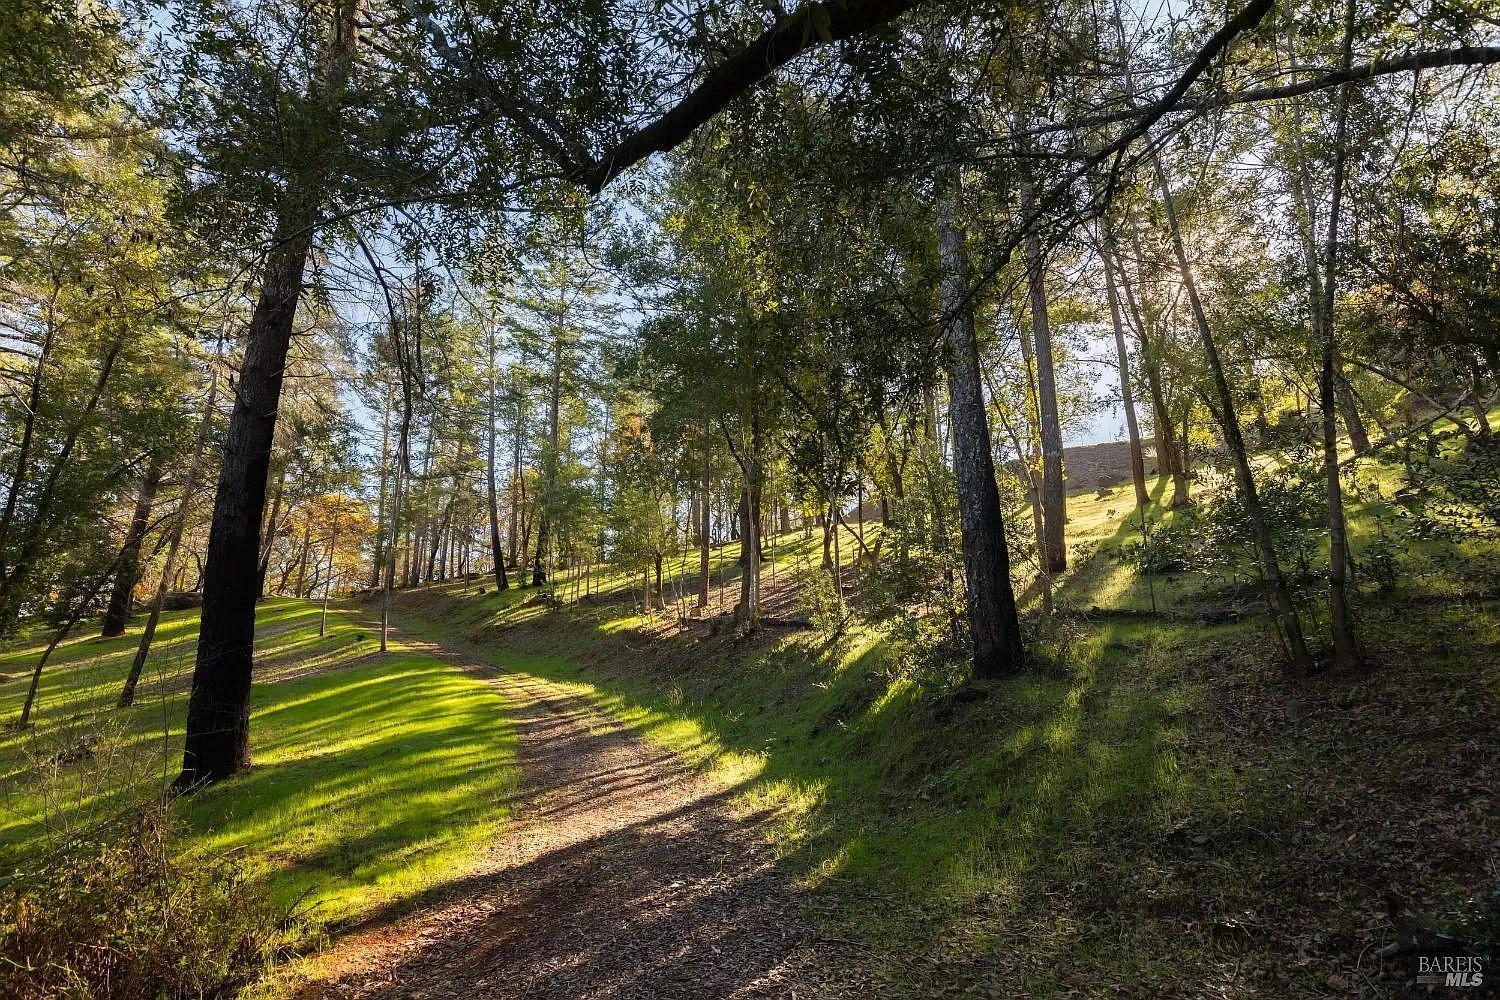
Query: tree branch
column 522, row 112
column 809, row 27
column 1145, row 116
column 1464, row 55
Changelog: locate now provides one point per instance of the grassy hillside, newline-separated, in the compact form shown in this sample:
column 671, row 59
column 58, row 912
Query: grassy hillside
column 1153, row 807
column 376, row 776
column 1157, row 807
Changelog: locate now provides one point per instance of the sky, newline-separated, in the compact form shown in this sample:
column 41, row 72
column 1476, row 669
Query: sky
column 1108, row 422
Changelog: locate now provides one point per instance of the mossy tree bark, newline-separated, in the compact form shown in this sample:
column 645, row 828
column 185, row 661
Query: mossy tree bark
column 994, row 627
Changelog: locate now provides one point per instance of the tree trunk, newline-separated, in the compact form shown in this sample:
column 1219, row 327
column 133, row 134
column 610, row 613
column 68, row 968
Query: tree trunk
column 993, row 624
column 333, row 543
column 834, row 519
column 398, row 483
column 439, row 530
column 300, row 590
column 217, row 738
column 1481, row 409
column 661, row 595
column 218, row 721
column 1127, row 401
column 1054, row 495
column 273, row 524
column 1307, row 219
column 501, row 580
column 826, row 521
column 740, row 519
column 1030, row 459
column 705, row 529
column 1345, row 648
column 1281, row 597
column 117, row 615
column 1168, row 460
column 189, row 487
column 747, row 612
column 408, row 546
column 517, row 489
column 544, row 502
column 378, row 559
column 1359, row 434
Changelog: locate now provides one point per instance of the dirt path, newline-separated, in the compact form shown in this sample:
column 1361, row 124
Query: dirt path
column 624, row 876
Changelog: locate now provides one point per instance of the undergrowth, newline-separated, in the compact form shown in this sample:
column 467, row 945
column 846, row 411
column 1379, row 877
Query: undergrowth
column 126, row 908
column 1135, row 809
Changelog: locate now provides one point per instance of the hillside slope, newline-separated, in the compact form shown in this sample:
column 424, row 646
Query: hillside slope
column 1161, row 812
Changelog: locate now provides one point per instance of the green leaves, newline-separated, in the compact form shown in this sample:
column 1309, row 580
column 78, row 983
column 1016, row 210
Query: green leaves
column 820, row 22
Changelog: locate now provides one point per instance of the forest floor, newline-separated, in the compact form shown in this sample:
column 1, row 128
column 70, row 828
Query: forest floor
column 1167, row 818
column 1154, row 810
column 625, row 874
column 556, row 795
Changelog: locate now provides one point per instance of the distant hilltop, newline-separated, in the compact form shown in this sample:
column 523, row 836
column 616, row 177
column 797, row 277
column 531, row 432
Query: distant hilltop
column 1092, row 466
column 1085, row 467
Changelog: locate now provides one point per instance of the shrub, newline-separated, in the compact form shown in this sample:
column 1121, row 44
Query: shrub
column 117, row 910
column 1460, row 495
column 1379, row 561
column 1171, row 547
column 913, row 596
column 1295, row 501
column 818, row 598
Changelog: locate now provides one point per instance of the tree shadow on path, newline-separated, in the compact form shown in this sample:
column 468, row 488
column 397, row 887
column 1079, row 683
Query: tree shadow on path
column 627, row 875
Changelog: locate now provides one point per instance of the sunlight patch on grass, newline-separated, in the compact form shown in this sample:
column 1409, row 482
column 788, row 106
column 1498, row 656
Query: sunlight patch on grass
column 900, row 688
column 375, row 778
column 848, row 854
column 375, row 783
column 624, row 624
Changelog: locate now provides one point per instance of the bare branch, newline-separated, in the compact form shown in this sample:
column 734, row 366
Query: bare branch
column 1464, row 55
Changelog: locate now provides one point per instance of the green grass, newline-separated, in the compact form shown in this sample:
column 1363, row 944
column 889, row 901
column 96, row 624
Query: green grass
column 1038, row 834
column 897, row 803
column 376, row 777
column 371, row 784
column 1046, row 826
